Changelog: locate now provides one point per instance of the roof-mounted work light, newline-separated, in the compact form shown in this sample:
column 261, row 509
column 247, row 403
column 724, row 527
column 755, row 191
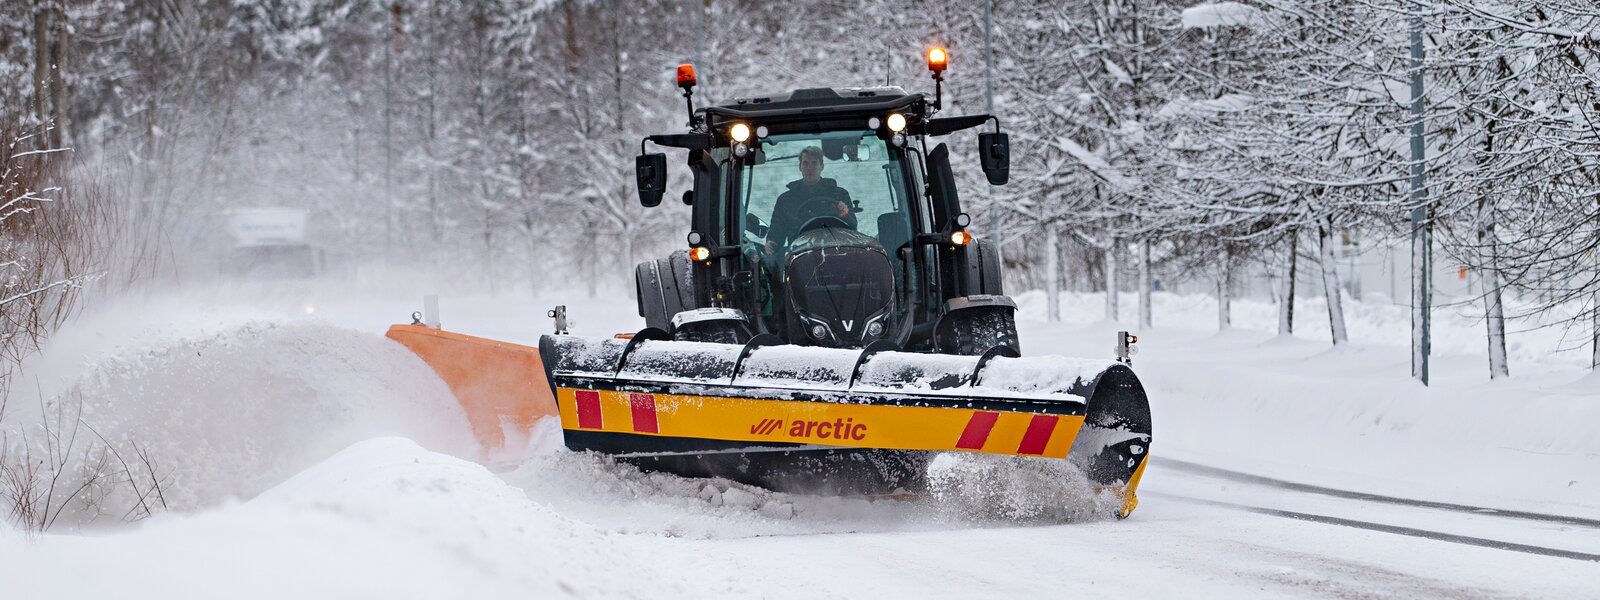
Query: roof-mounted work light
column 897, row 122
column 740, row 132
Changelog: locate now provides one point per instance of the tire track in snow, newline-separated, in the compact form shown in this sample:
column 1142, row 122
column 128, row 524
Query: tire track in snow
column 1218, row 473
column 1394, row 529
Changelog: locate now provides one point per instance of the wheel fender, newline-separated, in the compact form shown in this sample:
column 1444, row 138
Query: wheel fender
column 983, row 271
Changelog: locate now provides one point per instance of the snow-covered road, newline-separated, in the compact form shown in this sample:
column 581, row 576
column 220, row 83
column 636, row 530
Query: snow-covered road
column 386, row 518
column 1245, row 423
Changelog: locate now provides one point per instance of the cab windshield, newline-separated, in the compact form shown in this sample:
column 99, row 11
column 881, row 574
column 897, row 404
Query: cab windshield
column 848, row 176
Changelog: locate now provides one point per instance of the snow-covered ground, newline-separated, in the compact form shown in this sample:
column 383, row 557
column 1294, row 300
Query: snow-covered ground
column 309, row 457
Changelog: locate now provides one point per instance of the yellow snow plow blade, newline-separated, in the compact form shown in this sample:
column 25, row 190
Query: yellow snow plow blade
column 807, row 419
column 817, row 423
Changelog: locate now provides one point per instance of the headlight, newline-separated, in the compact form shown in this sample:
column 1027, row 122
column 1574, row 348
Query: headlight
column 699, row 253
column 740, row 132
column 819, row 332
column 897, row 122
column 960, row 238
column 740, row 149
column 875, row 328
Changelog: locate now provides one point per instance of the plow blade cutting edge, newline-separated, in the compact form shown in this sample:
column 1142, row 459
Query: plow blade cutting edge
column 809, row 419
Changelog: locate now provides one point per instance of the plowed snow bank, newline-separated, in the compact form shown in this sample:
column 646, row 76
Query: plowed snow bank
column 232, row 414
column 382, row 519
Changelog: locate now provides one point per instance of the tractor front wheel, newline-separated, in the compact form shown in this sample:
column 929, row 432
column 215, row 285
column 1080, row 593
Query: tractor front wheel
column 973, row 331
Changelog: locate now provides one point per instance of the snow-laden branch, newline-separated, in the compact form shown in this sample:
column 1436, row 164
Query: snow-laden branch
column 1222, row 14
column 38, row 152
column 38, row 290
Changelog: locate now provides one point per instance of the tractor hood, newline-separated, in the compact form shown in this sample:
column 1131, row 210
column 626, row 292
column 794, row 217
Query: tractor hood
column 834, row 237
column 840, row 287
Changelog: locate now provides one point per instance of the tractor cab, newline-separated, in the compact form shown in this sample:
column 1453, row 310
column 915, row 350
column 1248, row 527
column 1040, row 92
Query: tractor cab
column 822, row 217
column 827, row 195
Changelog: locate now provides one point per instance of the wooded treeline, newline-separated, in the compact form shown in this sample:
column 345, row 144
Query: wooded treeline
column 492, row 140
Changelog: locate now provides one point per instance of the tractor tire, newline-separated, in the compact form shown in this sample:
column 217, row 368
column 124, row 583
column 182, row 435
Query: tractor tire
column 974, row 331
column 664, row 288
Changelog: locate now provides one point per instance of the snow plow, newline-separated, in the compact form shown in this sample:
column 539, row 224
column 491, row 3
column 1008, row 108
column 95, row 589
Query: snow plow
column 819, row 334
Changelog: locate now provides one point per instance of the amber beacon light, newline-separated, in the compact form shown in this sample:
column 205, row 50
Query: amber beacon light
column 937, row 59
column 686, row 76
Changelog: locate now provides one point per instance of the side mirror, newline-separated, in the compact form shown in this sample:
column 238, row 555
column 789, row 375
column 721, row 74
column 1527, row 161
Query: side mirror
column 755, row 225
column 994, row 152
column 651, row 171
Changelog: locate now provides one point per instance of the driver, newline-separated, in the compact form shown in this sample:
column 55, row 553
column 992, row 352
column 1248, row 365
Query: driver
column 809, row 197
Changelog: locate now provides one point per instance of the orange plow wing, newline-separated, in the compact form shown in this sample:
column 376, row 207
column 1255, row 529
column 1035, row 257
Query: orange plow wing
column 500, row 385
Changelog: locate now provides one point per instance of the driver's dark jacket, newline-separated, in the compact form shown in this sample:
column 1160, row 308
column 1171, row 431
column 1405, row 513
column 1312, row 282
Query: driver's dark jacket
column 804, row 202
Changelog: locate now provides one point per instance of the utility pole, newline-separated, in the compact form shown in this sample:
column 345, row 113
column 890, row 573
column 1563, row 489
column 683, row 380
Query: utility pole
column 988, row 57
column 1421, row 244
column 392, row 33
column 701, row 68
column 995, row 218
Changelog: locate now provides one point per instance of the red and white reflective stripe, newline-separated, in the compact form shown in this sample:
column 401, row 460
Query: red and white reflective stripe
column 588, row 405
column 644, row 413
column 977, row 431
column 1038, row 434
